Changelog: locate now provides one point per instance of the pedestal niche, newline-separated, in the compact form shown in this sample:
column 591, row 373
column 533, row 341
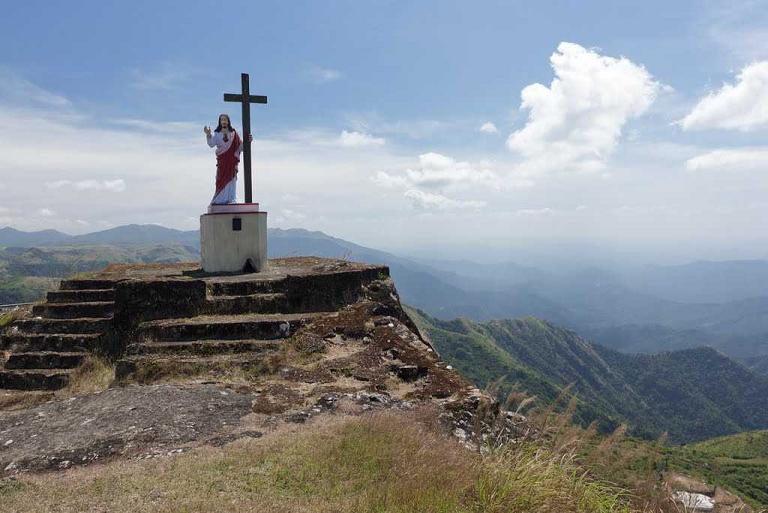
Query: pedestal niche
column 233, row 238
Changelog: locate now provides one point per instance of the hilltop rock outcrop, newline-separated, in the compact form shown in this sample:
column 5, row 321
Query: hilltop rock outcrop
column 208, row 359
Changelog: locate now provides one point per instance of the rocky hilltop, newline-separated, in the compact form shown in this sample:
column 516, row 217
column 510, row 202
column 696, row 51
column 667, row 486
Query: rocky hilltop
column 206, row 359
column 306, row 387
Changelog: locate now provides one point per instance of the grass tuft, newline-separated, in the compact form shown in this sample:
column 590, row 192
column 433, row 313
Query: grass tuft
column 6, row 318
column 93, row 375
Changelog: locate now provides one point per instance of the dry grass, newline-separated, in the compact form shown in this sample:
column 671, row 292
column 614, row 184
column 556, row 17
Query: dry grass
column 20, row 399
column 632, row 465
column 6, row 318
column 383, row 463
column 225, row 369
column 93, row 375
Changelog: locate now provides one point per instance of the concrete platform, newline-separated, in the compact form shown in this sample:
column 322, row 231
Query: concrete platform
column 175, row 309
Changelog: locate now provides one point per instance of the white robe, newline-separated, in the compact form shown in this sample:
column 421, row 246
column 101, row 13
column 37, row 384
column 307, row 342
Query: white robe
column 229, row 193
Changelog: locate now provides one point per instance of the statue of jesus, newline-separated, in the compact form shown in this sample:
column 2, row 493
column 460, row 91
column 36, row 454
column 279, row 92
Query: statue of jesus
column 228, row 147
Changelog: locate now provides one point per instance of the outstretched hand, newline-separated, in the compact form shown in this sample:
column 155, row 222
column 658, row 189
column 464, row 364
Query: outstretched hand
column 207, row 131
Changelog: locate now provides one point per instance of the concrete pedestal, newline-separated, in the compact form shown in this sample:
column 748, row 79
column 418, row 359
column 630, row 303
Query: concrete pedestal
column 232, row 242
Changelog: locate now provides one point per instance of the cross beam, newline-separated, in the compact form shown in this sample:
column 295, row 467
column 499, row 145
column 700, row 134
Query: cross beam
column 245, row 99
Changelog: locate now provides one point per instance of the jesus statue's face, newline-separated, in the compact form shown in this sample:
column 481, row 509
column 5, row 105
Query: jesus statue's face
column 224, row 121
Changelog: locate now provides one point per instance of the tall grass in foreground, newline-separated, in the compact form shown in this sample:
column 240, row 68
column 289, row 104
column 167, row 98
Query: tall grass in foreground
column 382, row 463
column 610, row 462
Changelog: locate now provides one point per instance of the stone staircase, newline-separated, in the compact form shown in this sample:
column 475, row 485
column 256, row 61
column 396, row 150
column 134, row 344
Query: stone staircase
column 241, row 324
column 44, row 349
column 158, row 319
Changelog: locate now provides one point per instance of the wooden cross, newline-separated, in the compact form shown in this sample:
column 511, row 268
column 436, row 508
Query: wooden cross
column 246, row 99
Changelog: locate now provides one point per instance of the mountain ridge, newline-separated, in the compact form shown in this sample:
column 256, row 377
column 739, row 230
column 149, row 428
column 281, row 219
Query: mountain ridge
column 691, row 394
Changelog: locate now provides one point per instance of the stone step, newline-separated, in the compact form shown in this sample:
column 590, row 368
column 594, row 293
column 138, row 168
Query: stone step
column 86, row 284
column 245, row 288
column 232, row 327
column 37, row 379
column 33, row 342
column 150, row 368
column 205, row 347
column 44, row 360
column 102, row 309
column 81, row 296
column 64, row 326
column 256, row 303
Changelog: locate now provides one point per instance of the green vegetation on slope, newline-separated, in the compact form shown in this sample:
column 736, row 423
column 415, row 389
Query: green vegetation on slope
column 737, row 462
column 473, row 349
column 692, row 395
column 25, row 289
column 26, row 274
column 695, row 393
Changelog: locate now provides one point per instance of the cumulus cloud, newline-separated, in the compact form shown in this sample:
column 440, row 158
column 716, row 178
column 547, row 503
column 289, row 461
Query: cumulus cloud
column 436, row 171
column 46, row 212
column 425, row 186
column 422, row 200
column 117, row 185
column 741, row 106
column 732, row 159
column 488, row 128
column 576, row 122
column 359, row 139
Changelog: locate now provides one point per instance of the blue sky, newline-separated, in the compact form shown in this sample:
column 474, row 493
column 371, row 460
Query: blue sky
column 373, row 127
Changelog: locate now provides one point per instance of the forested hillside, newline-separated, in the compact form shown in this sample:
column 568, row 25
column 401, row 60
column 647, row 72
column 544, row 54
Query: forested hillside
column 692, row 394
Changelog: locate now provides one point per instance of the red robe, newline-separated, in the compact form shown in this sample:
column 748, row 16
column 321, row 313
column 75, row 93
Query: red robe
column 226, row 163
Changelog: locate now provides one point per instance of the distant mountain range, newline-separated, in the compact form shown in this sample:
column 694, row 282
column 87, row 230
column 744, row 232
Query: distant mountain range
column 131, row 234
column 691, row 394
column 648, row 309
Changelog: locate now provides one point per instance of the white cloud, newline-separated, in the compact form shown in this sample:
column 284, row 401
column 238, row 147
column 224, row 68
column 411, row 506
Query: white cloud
column 169, row 179
column 291, row 214
column 436, row 171
column 576, row 122
column 46, row 212
column 732, row 159
column 426, row 185
column 391, row 181
column 488, row 128
column 117, row 185
column 411, row 128
column 741, row 106
column 359, row 139
column 324, row 75
column 168, row 174
column 546, row 211
column 739, row 27
column 422, row 200
column 19, row 91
